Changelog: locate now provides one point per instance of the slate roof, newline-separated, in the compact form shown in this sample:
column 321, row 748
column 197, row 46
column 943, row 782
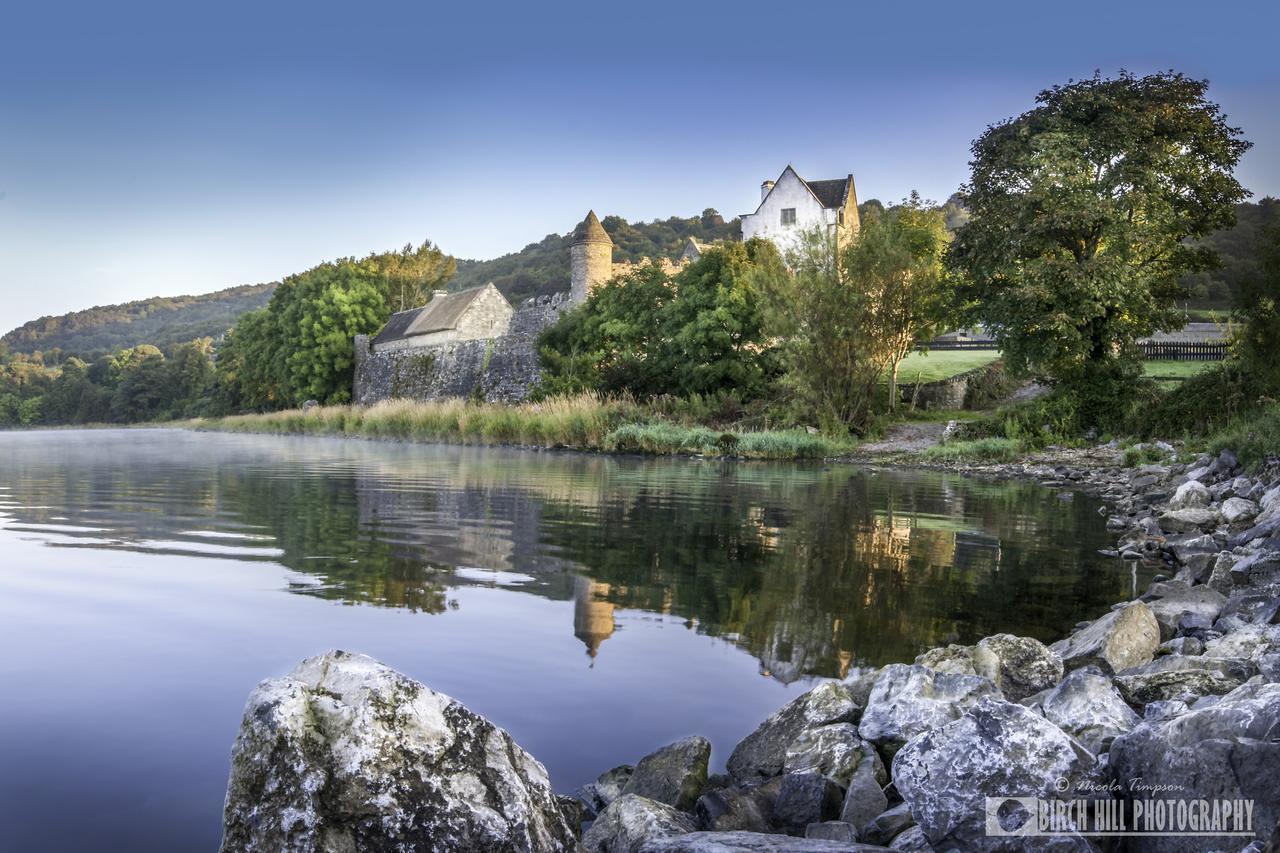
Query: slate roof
column 440, row 314
column 830, row 193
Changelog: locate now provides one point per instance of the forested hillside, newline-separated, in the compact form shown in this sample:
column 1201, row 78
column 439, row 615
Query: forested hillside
column 1237, row 248
column 543, row 268
column 162, row 321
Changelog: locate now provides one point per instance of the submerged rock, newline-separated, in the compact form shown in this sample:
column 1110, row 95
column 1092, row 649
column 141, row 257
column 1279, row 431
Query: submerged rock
column 763, row 753
column 997, row 749
column 1123, row 638
column 345, row 753
column 630, row 821
column 674, row 775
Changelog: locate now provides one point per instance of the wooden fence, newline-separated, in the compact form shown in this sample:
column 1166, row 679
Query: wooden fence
column 1184, row 350
column 1151, row 350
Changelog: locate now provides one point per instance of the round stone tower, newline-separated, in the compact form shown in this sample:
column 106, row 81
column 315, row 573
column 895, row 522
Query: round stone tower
column 590, row 258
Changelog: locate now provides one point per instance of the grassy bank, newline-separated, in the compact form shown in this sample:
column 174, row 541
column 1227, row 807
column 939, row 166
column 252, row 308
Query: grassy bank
column 585, row 422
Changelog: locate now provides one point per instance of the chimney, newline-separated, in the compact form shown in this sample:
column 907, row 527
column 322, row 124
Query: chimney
column 764, row 189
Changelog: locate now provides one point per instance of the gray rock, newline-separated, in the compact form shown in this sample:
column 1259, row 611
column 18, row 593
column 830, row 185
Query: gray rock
column 1089, row 708
column 1185, row 685
column 910, row 700
column 1199, row 600
column 865, row 797
column 1188, row 520
column 763, row 753
column 345, row 753
column 729, row 809
column 952, row 660
column 674, row 775
column 1185, row 547
column 997, row 749
column 835, row 751
column 629, row 822
column 1190, row 495
column 831, row 830
column 1240, row 669
column 1123, row 638
column 1227, row 750
column 1220, row 578
column 605, row 789
column 309, row 405
column 887, row 825
column 1164, row 710
column 749, row 842
column 1238, row 510
column 1248, row 642
column 1019, row 666
column 805, row 798
column 911, row 840
column 1189, row 646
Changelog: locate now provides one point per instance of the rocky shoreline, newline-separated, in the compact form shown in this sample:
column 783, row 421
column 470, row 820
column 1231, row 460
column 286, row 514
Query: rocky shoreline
column 1172, row 697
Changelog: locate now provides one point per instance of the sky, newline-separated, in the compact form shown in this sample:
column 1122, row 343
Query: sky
column 168, row 148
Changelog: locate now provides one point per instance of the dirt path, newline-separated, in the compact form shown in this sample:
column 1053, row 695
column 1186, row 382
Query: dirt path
column 908, row 437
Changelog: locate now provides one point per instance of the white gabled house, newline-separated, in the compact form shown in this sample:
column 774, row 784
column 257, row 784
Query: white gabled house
column 791, row 205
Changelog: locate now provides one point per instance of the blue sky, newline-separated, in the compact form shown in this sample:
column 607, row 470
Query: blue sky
column 167, row 148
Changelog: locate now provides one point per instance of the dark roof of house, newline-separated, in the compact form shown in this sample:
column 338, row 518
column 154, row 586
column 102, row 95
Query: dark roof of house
column 590, row 230
column 438, row 315
column 830, row 193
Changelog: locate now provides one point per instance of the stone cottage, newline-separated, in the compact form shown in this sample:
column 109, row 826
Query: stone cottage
column 475, row 314
column 791, row 205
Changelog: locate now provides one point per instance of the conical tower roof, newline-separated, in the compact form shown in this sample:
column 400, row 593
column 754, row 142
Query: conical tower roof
column 590, row 230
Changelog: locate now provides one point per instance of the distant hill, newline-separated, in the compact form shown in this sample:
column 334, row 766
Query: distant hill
column 1237, row 248
column 161, row 320
column 542, row 268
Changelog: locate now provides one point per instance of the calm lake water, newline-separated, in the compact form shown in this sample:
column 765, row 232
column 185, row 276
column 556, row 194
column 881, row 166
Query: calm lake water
column 596, row 607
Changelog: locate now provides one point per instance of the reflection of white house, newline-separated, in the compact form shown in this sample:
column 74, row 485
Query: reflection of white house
column 468, row 315
column 791, row 205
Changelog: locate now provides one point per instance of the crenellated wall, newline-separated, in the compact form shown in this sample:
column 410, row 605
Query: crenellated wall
column 501, row 369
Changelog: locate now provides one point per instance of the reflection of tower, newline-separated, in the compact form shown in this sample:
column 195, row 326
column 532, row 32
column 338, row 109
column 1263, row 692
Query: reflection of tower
column 590, row 258
column 592, row 615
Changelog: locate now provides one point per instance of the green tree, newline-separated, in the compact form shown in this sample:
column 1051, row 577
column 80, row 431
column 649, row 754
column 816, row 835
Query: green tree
column 713, row 335
column 896, row 261
column 141, row 392
column 612, row 342
column 328, row 306
column 828, row 333
column 409, row 275
column 1258, row 310
column 1081, row 213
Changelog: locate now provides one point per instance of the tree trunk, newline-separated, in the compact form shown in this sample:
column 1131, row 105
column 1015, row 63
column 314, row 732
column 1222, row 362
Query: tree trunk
column 893, row 385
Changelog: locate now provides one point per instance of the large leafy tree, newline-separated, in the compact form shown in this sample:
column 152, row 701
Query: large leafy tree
column 713, row 330
column 1081, row 212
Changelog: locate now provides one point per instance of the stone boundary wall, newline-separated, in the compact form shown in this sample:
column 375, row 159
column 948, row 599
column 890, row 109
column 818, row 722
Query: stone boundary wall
column 951, row 393
column 503, row 369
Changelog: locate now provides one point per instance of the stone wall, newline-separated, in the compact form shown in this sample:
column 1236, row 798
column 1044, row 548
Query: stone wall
column 956, row 392
column 500, row 369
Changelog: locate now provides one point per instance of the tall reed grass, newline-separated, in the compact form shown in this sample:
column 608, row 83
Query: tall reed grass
column 585, row 422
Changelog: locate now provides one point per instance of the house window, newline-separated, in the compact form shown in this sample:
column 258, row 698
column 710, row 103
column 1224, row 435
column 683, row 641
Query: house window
column 788, row 216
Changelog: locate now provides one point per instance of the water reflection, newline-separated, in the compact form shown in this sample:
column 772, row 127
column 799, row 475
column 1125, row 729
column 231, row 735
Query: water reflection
column 812, row 570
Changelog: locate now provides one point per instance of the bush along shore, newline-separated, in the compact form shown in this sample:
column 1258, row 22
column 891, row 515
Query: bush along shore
column 1171, row 698
column 582, row 422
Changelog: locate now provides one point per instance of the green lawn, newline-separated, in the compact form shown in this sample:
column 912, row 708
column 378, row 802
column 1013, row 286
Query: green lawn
column 1175, row 369
column 940, row 364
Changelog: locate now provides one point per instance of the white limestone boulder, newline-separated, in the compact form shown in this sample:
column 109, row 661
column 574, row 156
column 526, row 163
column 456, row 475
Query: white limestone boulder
column 345, row 753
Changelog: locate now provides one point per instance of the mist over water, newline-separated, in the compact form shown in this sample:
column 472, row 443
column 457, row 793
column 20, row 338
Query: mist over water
column 597, row 607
